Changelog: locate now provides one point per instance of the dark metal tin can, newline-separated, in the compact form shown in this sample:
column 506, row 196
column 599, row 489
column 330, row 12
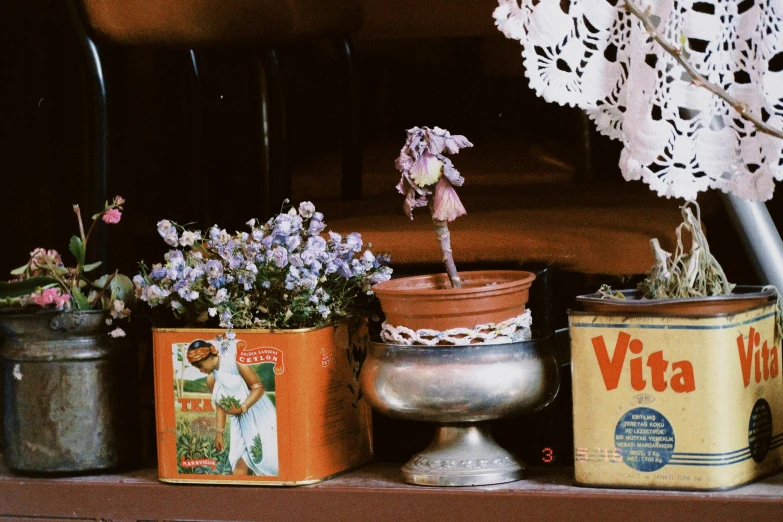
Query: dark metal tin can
column 70, row 393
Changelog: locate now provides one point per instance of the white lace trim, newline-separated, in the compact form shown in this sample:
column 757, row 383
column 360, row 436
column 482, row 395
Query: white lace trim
column 511, row 330
column 678, row 138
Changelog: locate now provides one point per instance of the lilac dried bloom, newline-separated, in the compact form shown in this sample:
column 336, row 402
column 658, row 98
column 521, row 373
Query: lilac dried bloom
column 317, row 224
column 354, row 242
column 306, row 209
column 316, row 244
column 279, row 256
column 158, row 272
column 214, row 269
column 165, row 228
column 423, row 165
column 235, row 262
column 293, row 242
column 220, row 296
column 189, row 237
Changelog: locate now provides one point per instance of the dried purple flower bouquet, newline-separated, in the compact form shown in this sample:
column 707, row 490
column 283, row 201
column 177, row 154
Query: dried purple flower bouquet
column 281, row 274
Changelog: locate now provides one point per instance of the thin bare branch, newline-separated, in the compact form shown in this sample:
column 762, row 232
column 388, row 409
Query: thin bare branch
column 697, row 78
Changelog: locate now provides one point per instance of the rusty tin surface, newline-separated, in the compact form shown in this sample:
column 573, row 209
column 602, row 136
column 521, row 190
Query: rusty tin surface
column 314, row 425
column 70, row 393
column 676, row 402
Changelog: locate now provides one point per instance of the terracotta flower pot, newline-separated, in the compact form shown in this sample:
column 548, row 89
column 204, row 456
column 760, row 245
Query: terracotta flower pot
column 428, row 301
column 743, row 298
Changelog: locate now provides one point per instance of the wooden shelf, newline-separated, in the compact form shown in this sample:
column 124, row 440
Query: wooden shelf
column 377, row 493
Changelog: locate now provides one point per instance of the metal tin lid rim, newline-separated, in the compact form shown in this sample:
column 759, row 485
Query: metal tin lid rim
column 642, row 313
column 248, row 330
column 746, row 292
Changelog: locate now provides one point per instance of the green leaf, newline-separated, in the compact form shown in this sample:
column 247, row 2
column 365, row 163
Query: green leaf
column 81, row 302
column 21, row 270
column 77, row 249
column 91, row 266
column 121, row 287
column 100, row 283
column 24, row 287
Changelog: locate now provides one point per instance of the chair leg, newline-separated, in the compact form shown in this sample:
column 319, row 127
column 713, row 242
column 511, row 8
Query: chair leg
column 352, row 147
column 276, row 185
column 98, row 127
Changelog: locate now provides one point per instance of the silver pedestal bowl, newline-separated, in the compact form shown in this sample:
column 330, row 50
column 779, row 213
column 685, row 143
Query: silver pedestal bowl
column 460, row 388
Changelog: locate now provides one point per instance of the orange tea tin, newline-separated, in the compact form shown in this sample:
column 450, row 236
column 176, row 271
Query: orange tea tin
column 264, row 408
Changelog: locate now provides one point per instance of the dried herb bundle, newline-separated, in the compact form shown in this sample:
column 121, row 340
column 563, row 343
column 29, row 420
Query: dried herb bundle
column 695, row 273
column 228, row 402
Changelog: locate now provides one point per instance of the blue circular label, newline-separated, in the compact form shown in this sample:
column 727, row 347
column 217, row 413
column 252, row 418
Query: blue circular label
column 646, row 439
column 760, row 430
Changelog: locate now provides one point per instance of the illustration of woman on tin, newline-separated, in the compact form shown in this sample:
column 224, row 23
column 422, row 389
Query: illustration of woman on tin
column 240, row 398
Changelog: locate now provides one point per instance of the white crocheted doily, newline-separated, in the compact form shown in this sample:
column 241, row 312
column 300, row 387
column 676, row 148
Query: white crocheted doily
column 677, row 137
column 511, row 330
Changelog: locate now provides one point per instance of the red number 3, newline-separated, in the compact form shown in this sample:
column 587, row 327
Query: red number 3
column 548, row 455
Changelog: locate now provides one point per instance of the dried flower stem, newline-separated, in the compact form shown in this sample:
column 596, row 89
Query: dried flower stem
column 692, row 273
column 444, row 237
column 697, row 78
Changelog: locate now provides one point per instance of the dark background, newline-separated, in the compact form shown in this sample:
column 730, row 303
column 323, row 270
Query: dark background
column 473, row 84
column 154, row 160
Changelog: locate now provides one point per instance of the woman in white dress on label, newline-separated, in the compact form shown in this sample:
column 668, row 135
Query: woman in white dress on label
column 254, row 419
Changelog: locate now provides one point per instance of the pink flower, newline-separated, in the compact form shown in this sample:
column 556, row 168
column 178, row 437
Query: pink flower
column 118, row 200
column 112, row 216
column 446, row 203
column 50, row 296
column 39, row 257
column 61, row 300
column 46, row 297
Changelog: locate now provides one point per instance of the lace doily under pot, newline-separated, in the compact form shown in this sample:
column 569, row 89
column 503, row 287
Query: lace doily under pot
column 511, row 330
column 678, row 138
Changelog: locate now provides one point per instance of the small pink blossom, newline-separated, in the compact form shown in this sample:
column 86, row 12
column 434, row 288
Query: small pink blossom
column 112, row 216
column 118, row 200
column 44, row 298
column 50, row 296
column 40, row 257
column 61, row 300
